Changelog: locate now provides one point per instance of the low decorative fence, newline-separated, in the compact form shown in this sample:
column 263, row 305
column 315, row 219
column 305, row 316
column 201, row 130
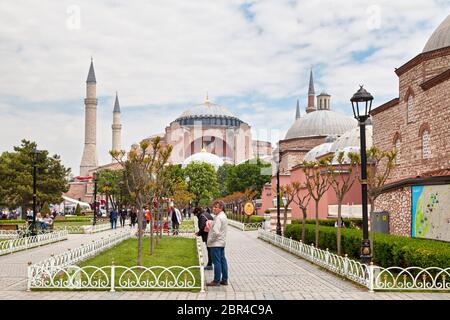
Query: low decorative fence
column 60, row 272
column 10, row 234
column 245, row 226
column 371, row 276
column 86, row 229
column 10, row 246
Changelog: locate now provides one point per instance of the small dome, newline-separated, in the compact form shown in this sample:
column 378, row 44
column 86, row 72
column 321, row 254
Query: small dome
column 317, row 151
column 204, row 157
column 320, row 123
column 350, row 138
column 346, row 151
column 440, row 37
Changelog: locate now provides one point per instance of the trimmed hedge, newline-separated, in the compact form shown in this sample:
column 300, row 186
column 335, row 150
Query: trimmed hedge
column 6, row 221
column 244, row 218
column 72, row 220
column 256, row 219
column 349, row 222
column 389, row 250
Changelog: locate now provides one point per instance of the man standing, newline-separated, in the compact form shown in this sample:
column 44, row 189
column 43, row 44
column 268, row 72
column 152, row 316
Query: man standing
column 123, row 216
column 203, row 217
column 216, row 241
column 113, row 218
column 176, row 218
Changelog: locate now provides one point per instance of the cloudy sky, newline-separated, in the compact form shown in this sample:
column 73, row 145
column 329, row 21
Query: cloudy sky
column 162, row 57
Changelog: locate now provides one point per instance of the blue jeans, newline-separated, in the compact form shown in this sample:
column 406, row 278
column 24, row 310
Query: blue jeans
column 220, row 264
column 113, row 223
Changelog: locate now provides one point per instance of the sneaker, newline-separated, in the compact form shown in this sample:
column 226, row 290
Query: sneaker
column 225, row 283
column 213, row 284
column 208, row 268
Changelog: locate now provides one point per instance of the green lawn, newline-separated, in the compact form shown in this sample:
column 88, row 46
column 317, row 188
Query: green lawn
column 169, row 252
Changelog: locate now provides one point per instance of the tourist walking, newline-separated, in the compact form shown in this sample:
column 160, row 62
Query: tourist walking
column 216, row 241
column 175, row 216
column 123, row 216
column 202, row 218
column 113, row 218
column 147, row 217
column 133, row 216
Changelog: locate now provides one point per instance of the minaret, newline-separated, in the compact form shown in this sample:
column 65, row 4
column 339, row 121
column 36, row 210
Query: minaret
column 311, row 94
column 297, row 112
column 89, row 160
column 116, row 126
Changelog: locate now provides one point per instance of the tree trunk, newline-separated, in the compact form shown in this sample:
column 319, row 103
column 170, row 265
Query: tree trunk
column 339, row 219
column 371, row 233
column 304, row 225
column 140, row 231
column 285, row 220
column 317, row 224
column 152, row 219
column 107, row 202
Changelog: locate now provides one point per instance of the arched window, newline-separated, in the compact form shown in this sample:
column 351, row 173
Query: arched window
column 410, row 108
column 397, row 147
column 426, row 152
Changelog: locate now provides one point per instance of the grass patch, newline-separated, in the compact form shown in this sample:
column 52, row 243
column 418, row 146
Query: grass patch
column 169, row 252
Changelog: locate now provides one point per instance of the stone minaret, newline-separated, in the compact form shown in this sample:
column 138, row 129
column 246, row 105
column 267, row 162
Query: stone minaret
column 89, row 160
column 297, row 112
column 311, row 94
column 116, row 127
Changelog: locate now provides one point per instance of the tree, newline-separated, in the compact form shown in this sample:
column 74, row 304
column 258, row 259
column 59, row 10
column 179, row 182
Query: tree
column 108, row 183
column 141, row 174
column 301, row 199
column 16, row 177
column 379, row 166
column 317, row 183
column 342, row 180
column 202, row 182
column 78, row 210
column 45, row 210
column 287, row 192
column 223, row 175
column 248, row 175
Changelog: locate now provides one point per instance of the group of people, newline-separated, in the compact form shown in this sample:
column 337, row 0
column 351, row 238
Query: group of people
column 213, row 231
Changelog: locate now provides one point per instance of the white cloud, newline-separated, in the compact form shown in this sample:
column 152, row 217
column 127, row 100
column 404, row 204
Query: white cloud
column 162, row 56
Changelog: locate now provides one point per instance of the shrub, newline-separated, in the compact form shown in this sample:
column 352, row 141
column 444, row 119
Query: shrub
column 12, row 221
column 349, row 223
column 389, row 250
column 78, row 210
column 267, row 211
column 256, row 219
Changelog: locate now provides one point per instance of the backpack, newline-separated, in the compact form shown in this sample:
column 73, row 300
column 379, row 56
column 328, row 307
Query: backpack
column 208, row 225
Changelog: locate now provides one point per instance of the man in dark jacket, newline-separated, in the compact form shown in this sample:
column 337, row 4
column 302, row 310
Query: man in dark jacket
column 202, row 217
column 123, row 216
column 113, row 218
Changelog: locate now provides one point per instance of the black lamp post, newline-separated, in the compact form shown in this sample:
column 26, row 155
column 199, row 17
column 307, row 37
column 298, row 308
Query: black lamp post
column 362, row 104
column 278, row 194
column 35, row 154
column 95, row 199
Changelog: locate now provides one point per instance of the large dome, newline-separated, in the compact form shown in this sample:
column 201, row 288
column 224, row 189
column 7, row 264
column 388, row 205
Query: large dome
column 204, row 157
column 320, row 123
column 440, row 37
column 317, row 151
column 210, row 114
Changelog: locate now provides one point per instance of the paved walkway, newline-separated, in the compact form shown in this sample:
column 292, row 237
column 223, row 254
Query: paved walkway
column 257, row 270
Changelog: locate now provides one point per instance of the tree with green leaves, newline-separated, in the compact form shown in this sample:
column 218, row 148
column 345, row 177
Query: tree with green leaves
column 141, row 170
column 223, row 175
column 16, row 177
column 248, row 175
column 202, row 182
column 78, row 210
column 317, row 183
column 108, row 183
column 342, row 180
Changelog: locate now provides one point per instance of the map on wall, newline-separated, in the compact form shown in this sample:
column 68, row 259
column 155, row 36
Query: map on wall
column 431, row 212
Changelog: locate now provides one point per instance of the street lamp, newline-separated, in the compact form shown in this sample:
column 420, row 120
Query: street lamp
column 35, row 154
column 362, row 104
column 95, row 199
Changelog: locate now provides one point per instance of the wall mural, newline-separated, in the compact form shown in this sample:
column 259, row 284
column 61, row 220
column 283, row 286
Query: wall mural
column 431, row 212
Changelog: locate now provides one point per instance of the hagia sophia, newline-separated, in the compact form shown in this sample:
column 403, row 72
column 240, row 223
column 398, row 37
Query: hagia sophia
column 416, row 123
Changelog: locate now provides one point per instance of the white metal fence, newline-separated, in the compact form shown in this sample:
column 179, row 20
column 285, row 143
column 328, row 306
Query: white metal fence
column 9, row 234
column 18, row 244
column 370, row 276
column 62, row 273
column 245, row 226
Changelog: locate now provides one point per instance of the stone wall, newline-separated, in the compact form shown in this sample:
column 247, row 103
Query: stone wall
column 398, row 204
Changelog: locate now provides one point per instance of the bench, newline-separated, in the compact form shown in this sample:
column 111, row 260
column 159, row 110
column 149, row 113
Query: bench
column 9, row 226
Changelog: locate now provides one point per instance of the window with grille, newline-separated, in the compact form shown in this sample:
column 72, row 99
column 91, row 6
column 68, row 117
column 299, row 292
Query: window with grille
column 425, row 145
column 410, row 106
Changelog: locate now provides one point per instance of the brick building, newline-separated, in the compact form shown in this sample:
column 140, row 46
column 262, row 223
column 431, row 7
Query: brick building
column 417, row 125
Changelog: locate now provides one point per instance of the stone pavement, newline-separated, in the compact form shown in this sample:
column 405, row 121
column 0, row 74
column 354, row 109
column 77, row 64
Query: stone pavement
column 257, row 270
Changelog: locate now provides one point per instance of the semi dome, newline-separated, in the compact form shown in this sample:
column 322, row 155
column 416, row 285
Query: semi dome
column 318, row 151
column 210, row 114
column 350, row 138
column 320, row 123
column 440, row 37
column 204, row 157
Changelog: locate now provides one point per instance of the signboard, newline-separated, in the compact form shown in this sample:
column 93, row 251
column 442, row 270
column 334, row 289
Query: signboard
column 249, row 208
column 430, row 216
column 380, row 222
